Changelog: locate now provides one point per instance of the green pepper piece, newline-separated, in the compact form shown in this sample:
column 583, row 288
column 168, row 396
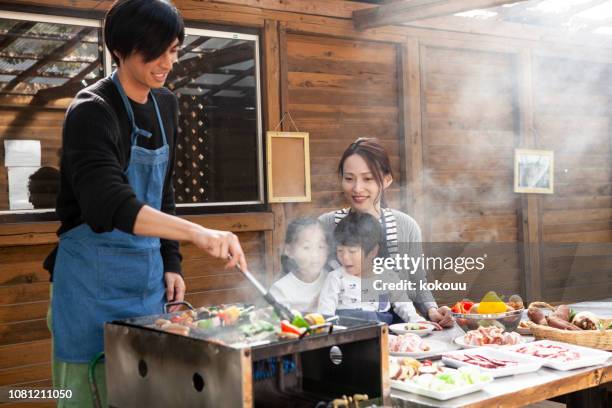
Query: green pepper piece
column 299, row 321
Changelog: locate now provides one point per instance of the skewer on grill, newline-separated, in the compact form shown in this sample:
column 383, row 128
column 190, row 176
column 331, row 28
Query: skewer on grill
column 280, row 309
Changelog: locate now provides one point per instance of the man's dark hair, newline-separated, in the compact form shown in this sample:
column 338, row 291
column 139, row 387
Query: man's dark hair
column 359, row 229
column 145, row 26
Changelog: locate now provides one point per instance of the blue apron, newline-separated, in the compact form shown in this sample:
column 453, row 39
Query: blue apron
column 99, row 277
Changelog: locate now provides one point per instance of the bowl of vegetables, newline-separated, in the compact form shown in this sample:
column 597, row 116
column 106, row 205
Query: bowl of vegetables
column 490, row 311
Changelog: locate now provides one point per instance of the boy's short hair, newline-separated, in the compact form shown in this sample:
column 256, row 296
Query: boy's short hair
column 359, row 229
column 145, row 26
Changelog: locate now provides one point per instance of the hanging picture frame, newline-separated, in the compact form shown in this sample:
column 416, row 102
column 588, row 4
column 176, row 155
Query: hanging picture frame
column 288, row 167
column 533, row 171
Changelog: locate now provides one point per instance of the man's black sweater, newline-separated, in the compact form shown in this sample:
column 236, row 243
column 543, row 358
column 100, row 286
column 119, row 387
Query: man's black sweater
column 95, row 154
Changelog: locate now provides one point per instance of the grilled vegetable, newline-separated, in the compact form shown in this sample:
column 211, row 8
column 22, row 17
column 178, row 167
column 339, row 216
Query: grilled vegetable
column 208, row 323
column 314, row 319
column 287, row 327
column 299, row 321
column 229, row 315
column 256, row 327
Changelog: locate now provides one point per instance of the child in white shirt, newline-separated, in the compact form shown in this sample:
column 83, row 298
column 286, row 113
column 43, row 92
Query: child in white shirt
column 349, row 290
column 305, row 254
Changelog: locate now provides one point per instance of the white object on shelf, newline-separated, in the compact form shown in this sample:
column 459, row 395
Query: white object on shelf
column 22, row 153
column 18, row 179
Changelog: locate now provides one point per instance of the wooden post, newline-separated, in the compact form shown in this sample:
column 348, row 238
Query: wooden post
column 271, row 47
column 411, row 153
column 530, row 203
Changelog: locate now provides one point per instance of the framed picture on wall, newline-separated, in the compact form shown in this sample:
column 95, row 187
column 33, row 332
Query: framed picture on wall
column 288, row 165
column 533, row 171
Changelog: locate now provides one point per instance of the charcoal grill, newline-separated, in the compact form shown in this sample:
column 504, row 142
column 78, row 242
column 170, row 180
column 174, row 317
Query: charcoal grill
column 149, row 367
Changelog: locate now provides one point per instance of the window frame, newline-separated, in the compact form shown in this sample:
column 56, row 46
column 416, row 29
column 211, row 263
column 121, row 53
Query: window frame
column 260, row 164
column 48, row 214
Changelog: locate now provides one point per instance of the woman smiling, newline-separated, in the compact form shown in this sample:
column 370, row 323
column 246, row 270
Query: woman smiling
column 365, row 172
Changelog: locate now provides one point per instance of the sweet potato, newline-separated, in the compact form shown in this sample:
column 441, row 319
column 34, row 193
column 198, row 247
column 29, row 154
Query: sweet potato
column 536, row 315
column 559, row 323
column 562, row 312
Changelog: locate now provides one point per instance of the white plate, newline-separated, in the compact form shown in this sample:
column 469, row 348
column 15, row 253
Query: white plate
column 436, row 347
column 525, row 365
column 461, row 342
column 399, row 328
column 588, row 356
column 409, row 386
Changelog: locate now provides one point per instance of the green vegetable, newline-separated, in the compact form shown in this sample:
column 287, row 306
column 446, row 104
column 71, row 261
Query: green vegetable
column 205, row 324
column 447, row 378
column 257, row 327
column 299, row 321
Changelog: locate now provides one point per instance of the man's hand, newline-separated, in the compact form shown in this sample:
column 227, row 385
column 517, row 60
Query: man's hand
column 442, row 316
column 175, row 289
column 220, row 244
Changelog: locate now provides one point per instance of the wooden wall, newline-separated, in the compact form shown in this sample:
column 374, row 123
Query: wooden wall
column 339, row 90
column 22, row 123
column 469, row 126
column 572, row 116
column 450, row 107
column 24, row 287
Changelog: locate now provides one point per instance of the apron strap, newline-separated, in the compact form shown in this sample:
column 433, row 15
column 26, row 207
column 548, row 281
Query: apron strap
column 136, row 131
column 388, row 222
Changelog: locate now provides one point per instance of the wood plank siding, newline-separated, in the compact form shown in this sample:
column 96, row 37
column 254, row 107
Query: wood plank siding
column 449, row 107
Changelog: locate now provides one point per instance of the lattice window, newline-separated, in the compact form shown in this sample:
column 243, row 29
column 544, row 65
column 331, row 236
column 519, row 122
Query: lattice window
column 218, row 157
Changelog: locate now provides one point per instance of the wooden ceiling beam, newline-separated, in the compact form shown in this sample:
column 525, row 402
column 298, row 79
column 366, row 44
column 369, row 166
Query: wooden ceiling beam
column 405, row 11
column 59, row 52
column 227, row 84
column 15, row 32
column 192, row 68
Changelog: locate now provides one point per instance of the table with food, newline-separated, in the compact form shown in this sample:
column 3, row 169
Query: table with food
column 497, row 353
column 503, row 353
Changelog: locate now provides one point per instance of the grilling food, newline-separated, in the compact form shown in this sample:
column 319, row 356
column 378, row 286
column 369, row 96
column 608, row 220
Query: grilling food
column 407, row 343
column 170, row 327
column 491, row 335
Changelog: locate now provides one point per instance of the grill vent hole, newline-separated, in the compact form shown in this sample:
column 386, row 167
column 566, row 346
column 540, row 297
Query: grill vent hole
column 198, row 382
column 142, row 368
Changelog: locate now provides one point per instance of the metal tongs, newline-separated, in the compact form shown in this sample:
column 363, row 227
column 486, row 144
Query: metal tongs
column 280, row 309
